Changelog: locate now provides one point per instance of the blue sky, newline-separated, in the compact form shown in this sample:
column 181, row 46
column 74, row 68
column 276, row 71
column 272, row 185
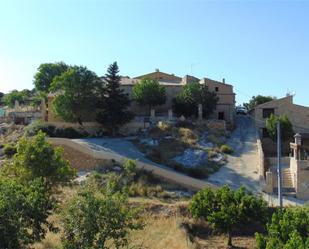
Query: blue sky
column 261, row 47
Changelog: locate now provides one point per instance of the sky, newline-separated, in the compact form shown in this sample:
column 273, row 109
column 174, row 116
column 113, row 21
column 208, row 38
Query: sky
column 260, row 47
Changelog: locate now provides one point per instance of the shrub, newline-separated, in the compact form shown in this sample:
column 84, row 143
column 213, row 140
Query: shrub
column 36, row 126
column 24, row 210
column 99, row 220
column 69, row 132
column 226, row 149
column 185, row 124
column 9, row 150
column 226, row 209
column 35, row 157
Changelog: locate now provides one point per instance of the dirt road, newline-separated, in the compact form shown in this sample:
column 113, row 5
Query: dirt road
column 242, row 165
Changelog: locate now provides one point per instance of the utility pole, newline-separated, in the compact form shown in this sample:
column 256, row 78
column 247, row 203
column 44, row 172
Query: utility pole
column 279, row 163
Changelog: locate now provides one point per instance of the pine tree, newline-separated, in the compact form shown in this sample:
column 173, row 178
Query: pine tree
column 113, row 103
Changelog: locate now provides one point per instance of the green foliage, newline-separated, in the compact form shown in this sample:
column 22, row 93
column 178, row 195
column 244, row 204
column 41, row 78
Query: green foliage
column 285, row 125
column 36, row 157
column 53, row 131
column 9, row 150
column 76, row 94
column 187, row 101
column 46, row 73
column 10, row 98
column 24, row 210
column 99, row 220
column 149, row 92
column 113, row 102
column 288, row 229
column 226, row 209
column 257, row 100
column 226, row 149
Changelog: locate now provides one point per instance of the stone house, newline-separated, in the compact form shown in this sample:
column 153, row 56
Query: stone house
column 297, row 114
column 173, row 85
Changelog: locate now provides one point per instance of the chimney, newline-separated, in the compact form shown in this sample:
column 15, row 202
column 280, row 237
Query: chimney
column 157, row 70
column 223, row 81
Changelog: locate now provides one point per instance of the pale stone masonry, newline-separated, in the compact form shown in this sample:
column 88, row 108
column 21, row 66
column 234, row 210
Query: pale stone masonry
column 297, row 114
column 173, row 85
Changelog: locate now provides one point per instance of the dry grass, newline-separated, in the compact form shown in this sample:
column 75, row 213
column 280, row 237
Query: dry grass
column 161, row 233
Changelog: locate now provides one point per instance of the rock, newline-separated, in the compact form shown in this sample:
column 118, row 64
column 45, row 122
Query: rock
column 192, row 157
column 82, row 176
column 204, row 142
column 117, row 169
column 149, row 141
column 217, row 158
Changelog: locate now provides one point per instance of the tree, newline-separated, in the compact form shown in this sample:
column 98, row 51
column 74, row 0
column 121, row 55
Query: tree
column 288, row 229
column 36, row 157
column 46, row 73
column 24, row 210
column 187, row 101
column 149, row 92
column 226, row 209
column 76, row 94
column 257, row 100
column 286, row 127
column 113, row 102
column 99, row 221
column 10, row 98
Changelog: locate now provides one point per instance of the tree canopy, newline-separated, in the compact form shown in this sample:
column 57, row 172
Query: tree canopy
column 286, row 127
column 148, row 92
column 187, row 101
column 288, row 229
column 113, row 102
column 75, row 94
column 257, row 100
column 227, row 209
column 46, row 73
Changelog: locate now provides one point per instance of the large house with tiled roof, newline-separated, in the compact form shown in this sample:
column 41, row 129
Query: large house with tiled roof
column 173, row 85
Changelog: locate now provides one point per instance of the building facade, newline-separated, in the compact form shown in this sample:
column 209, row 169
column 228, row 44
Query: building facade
column 297, row 114
column 173, row 85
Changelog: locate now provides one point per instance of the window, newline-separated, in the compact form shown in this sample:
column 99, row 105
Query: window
column 267, row 112
column 221, row 115
column 217, row 89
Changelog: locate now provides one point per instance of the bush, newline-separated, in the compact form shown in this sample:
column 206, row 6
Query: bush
column 53, row 131
column 37, row 126
column 99, row 220
column 35, row 157
column 226, row 149
column 185, row 124
column 9, row 150
column 24, row 210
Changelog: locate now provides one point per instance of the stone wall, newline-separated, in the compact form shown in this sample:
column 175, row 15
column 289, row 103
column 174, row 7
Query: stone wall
column 300, row 173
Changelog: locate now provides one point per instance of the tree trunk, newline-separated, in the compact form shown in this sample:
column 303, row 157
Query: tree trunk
column 229, row 241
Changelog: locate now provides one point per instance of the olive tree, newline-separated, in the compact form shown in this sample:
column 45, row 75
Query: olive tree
column 226, row 209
